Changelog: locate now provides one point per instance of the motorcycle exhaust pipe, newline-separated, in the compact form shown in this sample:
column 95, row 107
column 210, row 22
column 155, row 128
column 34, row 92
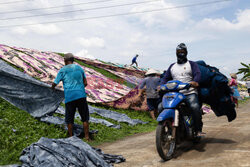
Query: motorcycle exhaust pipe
column 176, row 118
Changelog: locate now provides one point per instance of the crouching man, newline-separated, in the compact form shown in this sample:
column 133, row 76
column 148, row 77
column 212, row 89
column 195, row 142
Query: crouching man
column 151, row 82
column 74, row 83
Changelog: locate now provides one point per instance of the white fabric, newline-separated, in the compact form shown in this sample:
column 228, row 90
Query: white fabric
column 183, row 73
column 151, row 71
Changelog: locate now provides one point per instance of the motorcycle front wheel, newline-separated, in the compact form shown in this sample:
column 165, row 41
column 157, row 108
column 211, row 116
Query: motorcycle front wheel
column 165, row 142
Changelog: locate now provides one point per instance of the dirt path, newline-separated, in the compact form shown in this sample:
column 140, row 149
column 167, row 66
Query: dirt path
column 226, row 144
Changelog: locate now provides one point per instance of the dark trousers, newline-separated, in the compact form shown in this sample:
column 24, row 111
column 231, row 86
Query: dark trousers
column 192, row 102
column 81, row 105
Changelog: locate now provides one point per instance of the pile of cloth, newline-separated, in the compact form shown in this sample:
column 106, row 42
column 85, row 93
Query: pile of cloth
column 65, row 152
column 214, row 91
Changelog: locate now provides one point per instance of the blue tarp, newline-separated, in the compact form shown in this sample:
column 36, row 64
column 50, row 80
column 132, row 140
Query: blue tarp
column 70, row 152
column 27, row 93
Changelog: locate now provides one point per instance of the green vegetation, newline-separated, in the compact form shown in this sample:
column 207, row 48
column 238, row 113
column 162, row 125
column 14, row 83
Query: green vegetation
column 19, row 130
column 243, row 101
column 106, row 134
column 105, row 73
column 245, row 70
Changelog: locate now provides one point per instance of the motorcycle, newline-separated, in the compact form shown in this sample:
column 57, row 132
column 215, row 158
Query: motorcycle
column 175, row 123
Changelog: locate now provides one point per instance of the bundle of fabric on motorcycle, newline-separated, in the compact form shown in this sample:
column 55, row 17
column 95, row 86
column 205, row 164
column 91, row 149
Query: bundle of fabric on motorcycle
column 214, row 91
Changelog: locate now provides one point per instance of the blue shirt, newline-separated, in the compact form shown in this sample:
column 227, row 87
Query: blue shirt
column 72, row 76
column 151, row 84
column 134, row 59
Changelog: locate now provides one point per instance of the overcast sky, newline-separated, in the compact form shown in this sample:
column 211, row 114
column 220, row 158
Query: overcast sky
column 217, row 33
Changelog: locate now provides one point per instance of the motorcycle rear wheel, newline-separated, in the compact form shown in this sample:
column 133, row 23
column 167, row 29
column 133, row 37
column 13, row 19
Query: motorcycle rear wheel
column 165, row 143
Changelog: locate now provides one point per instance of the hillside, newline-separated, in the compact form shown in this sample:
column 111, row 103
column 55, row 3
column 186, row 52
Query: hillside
column 107, row 82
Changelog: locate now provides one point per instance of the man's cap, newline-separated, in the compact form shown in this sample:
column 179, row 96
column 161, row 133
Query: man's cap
column 233, row 75
column 69, row 56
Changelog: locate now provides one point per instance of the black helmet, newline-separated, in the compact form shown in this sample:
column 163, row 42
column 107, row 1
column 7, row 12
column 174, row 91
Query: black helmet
column 181, row 57
column 181, row 46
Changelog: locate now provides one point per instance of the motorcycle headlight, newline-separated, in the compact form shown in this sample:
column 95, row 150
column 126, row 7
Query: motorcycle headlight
column 171, row 85
column 163, row 88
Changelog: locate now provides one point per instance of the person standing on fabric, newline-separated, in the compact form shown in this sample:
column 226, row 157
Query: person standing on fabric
column 74, row 83
column 234, row 86
column 188, row 72
column 151, row 82
column 134, row 61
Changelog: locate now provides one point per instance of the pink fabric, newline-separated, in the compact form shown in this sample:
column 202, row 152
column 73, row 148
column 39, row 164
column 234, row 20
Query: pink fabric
column 45, row 65
column 100, row 89
column 233, row 82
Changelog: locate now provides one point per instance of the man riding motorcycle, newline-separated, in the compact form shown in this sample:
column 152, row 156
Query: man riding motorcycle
column 188, row 72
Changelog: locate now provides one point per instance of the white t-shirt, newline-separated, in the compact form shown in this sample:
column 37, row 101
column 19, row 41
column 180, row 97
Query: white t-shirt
column 183, row 73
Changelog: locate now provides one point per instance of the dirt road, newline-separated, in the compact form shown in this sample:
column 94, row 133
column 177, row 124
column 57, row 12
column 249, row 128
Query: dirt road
column 225, row 144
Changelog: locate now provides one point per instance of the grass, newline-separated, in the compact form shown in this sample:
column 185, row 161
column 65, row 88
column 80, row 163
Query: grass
column 19, row 130
column 110, row 134
column 243, row 101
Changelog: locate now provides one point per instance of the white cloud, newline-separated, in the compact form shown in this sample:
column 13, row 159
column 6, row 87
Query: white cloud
column 243, row 17
column 222, row 25
column 84, row 53
column 46, row 29
column 91, row 42
column 20, row 30
column 41, row 29
column 226, row 69
column 139, row 38
column 168, row 18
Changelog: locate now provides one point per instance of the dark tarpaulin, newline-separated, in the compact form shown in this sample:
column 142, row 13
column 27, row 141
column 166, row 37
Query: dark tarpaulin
column 27, row 93
column 61, row 111
column 104, row 122
column 77, row 129
column 71, row 152
column 115, row 116
column 31, row 95
column 119, row 117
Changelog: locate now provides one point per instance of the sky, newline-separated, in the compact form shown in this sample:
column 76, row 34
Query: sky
column 217, row 32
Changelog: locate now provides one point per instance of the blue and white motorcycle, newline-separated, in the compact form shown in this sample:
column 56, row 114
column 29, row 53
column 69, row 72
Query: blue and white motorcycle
column 175, row 121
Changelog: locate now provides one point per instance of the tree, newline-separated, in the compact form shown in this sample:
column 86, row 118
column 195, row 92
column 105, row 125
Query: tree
column 245, row 70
